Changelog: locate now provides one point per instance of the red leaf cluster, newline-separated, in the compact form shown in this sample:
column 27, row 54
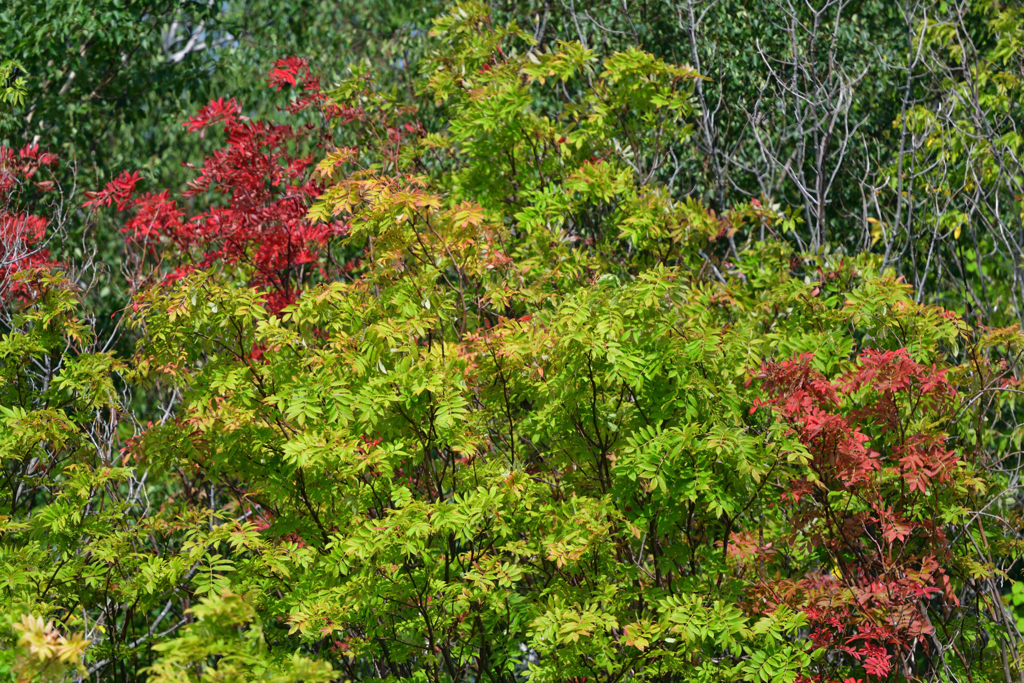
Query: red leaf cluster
column 259, row 190
column 294, row 71
column 865, row 505
column 22, row 235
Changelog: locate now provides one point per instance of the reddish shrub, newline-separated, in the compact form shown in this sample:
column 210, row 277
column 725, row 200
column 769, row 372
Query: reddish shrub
column 865, row 503
column 265, row 188
column 22, row 234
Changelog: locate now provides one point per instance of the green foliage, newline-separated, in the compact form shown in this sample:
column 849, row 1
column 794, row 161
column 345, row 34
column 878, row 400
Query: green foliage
column 241, row 656
column 12, row 90
column 548, row 422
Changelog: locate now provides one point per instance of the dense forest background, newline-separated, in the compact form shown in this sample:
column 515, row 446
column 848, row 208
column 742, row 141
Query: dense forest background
column 573, row 341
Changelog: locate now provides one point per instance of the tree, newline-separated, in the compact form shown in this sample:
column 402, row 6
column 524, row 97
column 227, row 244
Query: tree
column 263, row 228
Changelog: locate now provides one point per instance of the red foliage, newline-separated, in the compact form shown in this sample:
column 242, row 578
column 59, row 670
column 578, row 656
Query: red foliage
column 216, row 111
column 264, row 189
column 22, row 235
column 118, row 191
column 295, row 71
column 865, row 504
